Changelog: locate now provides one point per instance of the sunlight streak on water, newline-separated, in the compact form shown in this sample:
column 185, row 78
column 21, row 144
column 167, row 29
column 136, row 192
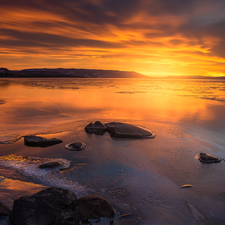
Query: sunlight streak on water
column 40, row 105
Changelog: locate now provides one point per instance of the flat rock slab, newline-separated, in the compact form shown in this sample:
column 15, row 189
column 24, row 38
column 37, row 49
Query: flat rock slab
column 77, row 146
column 124, row 130
column 207, row 158
column 53, row 206
column 96, row 128
column 36, row 141
column 49, row 165
column 94, row 207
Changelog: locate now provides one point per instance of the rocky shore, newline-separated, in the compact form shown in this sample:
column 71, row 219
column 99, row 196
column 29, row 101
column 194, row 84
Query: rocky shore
column 41, row 205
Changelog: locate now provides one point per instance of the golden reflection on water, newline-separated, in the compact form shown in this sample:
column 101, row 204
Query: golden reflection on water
column 43, row 103
column 35, row 107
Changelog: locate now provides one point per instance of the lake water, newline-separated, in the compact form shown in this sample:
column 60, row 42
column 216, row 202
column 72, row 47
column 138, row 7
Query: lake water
column 141, row 178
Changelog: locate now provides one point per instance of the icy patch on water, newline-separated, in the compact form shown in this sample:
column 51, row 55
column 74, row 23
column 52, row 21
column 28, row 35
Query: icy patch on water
column 9, row 140
column 53, row 84
column 2, row 102
column 130, row 92
column 214, row 98
column 29, row 166
column 13, row 134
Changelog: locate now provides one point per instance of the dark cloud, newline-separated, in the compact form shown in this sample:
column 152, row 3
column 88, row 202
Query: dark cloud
column 156, row 25
column 172, row 7
column 26, row 39
column 216, row 29
column 219, row 49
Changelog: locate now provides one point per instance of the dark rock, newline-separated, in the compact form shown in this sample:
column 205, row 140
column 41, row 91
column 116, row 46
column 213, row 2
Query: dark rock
column 76, row 146
column 4, row 210
column 36, row 141
column 96, row 128
column 51, row 206
column 187, row 186
column 124, row 130
column 94, row 207
column 49, row 165
column 207, row 158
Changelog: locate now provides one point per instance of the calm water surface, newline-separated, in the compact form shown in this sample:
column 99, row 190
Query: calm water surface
column 141, row 178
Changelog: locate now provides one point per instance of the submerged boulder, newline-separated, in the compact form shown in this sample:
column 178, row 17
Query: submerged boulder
column 37, row 141
column 207, row 158
column 124, row 130
column 53, row 206
column 77, row 146
column 49, row 165
column 4, row 210
column 94, row 207
column 96, row 128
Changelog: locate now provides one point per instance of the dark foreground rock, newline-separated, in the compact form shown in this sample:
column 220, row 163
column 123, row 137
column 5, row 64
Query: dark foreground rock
column 207, row 158
column 37, row 141
column 4, row 210
column 94, row 207
column 52, row 206
column 96, row 128
column 49, row 165
column 124, row 130
column 77, row 146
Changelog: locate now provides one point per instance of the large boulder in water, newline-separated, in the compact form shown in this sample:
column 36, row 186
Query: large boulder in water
column 53, row 206
column 37, row 141
column 96, row 128
column 94, row 207
column 207, row 158
column 124, row 130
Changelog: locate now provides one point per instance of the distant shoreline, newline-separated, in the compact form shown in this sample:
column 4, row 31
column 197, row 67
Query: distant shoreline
column 68, row 73
column 87, row 73
column 146, row 77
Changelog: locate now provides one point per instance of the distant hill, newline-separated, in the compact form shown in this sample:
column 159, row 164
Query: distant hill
column 5, row 73
column 78, row 73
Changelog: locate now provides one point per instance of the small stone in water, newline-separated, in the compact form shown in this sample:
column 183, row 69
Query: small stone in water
column 37, row 141
column 96, row 128
column 76, row 146
column 207, row 158
column 186, row 186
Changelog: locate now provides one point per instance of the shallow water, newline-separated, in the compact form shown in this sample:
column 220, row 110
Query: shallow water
column 141, row 178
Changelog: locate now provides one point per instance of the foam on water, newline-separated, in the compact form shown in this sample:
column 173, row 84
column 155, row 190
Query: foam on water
column 29, row 166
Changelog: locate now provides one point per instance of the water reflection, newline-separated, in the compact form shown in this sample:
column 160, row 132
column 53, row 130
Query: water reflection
column 140, row 177
column 35, row 105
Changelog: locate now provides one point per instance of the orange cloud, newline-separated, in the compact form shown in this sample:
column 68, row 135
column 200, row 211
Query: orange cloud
column 155, row 38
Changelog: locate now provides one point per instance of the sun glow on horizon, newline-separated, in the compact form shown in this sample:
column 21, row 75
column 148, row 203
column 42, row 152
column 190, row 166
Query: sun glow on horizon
column 101, row 35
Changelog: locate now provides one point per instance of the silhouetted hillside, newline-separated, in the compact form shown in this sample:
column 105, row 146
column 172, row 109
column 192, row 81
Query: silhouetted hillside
column 6, row 73
column 79, row 73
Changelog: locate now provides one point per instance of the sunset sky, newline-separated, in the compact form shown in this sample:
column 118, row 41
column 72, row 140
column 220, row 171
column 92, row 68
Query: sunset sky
column 152, row 37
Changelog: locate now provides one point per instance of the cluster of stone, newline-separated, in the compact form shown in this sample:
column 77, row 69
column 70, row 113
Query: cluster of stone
column 56, row 206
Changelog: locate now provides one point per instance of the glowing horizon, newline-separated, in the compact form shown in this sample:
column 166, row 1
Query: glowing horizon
column 154, row 38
